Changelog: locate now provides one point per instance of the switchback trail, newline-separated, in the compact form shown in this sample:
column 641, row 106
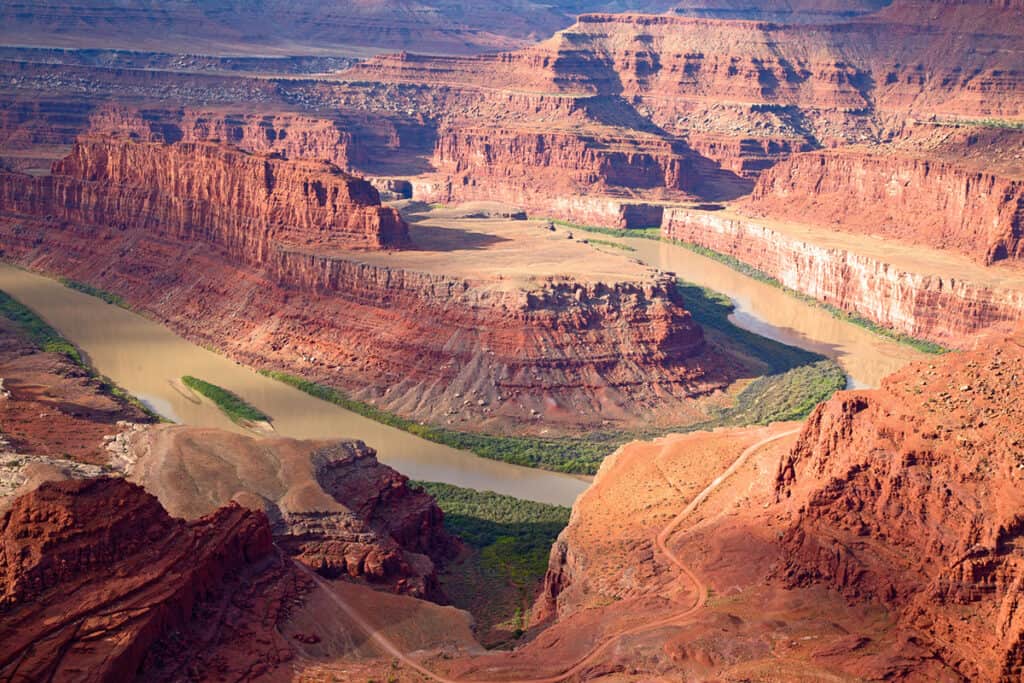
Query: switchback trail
column 661, row 541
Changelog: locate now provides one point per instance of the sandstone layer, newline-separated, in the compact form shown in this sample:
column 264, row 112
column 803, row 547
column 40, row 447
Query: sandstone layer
column 249, row 206
column 916, row 299
column 286, row 134
column 628, row 107
column 910, row 496
column 876, row 541
column 331, row 505
column 424, row 342
column 100, row 583
column 665, row 106
column 907, row 199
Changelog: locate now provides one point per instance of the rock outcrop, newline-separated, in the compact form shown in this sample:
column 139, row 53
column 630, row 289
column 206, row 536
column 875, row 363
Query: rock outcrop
column 909, row 199
column 97, row 579
column 426, row 341
column 245, row 204
column 951, row 310
column 284, row 134
column 911, row 496
column 331, row 505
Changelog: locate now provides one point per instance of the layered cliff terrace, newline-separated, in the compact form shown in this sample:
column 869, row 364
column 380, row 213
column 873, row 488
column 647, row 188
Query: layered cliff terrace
column 939, row 295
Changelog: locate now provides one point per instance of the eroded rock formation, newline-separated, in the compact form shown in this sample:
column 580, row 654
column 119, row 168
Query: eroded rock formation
column 910, row 199
column 426, row 340
column 905, row 498
column 95, row 574
column 331, row 505
column 910, row 495
column 248, row 205
column 952, row 310
column 285, row 134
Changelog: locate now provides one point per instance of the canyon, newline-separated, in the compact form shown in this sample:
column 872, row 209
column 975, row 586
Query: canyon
column 868, row 277
column 875, row 540
column 612, row 344
column 462, row 224
column 620, row 119
column 330, row 503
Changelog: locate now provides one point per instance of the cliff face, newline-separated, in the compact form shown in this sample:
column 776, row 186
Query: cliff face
column 520, row 161
column 578, row 353
column 911, row 495
column 289, row 135
column 203, row 191
column 935, row 203
column 948, row 310
column 332, row 506
column 541, row 169
column 94, row 573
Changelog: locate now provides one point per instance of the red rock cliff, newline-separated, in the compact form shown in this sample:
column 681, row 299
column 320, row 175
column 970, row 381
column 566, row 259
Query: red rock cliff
column 94, row 572
column 288, row 134
column 949, row 310
column 935, row 203
column 912, row 495
column 333, row 506
column 245, row 203
column 421, row 343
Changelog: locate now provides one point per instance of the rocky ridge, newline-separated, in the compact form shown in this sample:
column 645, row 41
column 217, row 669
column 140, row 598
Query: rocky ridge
column 909, row 199
column 953, row 311
column 427, row 339
column 96, row 576
column 880, row 541
column 219, row 197
column 331, row 505
column 910, row 496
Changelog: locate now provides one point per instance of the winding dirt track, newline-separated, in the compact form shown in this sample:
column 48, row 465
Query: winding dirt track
column 662, row 543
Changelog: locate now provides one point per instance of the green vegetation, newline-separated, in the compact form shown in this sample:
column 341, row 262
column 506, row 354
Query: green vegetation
column 1008, row 124
column 609, row 243
column 517, row 534
column 109, row 297
column 922, row 345
column 567, row 454
column 39, row 333
column 510, row 539
column 232, row 404
column 49, row 340
column 712, row 310
column 797, row 380
column 794, row 382
column 653, row 233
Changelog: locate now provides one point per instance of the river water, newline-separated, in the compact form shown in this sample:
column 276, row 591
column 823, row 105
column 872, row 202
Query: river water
column 148, row 360
column 866, row 357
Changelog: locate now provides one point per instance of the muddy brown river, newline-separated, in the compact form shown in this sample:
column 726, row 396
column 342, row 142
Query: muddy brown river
column 148, row 360
column 866, row 357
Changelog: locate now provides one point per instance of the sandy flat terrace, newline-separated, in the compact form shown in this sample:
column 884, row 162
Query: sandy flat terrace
column 503, row 252
column 913, row 258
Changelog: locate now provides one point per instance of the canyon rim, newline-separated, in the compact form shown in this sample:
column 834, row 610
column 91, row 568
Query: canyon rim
column 569, row 341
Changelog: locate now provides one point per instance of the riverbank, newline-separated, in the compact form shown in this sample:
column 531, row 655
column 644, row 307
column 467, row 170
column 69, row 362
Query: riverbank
column 147, row 359
column 48, row 340
column 743, row 268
